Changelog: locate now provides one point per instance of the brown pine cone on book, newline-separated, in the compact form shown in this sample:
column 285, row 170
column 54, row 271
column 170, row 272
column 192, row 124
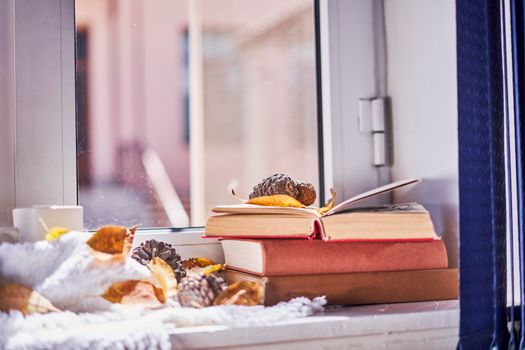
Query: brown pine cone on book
column 304, row 192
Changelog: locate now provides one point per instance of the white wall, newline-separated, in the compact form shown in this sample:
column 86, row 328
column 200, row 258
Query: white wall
column 421, row 81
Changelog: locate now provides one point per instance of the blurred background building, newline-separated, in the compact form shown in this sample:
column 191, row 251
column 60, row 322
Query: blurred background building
column 179, row 101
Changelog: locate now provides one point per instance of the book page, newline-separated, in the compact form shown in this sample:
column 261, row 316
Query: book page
column 259, row 209
column 348, row 204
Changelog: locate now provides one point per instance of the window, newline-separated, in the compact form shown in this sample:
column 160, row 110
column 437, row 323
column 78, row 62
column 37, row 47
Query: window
column 43, row 131
column 180, row 101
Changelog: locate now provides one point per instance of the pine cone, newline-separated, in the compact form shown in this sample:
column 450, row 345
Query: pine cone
column 306, row 193
column 275, row 184
column 153, row 248
column 200, row 291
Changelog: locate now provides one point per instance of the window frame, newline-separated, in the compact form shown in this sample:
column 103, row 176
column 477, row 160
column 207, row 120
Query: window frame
column 344, row 64
column 41, row 118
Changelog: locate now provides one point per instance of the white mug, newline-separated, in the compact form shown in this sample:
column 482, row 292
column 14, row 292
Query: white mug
column 30, row 223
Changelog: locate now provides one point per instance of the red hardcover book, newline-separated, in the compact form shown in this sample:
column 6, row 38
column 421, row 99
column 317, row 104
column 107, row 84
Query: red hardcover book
column 345, row 222
column 280, row 257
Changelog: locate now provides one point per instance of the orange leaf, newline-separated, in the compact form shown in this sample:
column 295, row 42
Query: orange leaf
column 164, row 275
column 112, row 242
column 277, row 200
column 24, row 299
column 245, row 293
column 135, row 292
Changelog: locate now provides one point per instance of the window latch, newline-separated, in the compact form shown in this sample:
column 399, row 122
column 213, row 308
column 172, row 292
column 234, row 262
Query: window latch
column 372, row 119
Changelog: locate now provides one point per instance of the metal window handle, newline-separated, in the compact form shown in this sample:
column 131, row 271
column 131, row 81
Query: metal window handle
column 371, row 119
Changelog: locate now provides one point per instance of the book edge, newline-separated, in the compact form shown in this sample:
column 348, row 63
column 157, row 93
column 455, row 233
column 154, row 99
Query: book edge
column 317, row 232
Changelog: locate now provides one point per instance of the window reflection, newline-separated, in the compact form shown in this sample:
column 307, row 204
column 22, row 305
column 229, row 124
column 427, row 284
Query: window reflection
column 143, row 157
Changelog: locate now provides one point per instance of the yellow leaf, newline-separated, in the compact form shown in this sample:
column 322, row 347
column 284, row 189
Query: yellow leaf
column 24, row 299
column 328, row 206
column 164, row 275
column 247, row 293
column 135, row 292
column 112, row 242
column 55, row 233
column 277, row 200
column 197, row 266
column 191, row 263
column 208, row 270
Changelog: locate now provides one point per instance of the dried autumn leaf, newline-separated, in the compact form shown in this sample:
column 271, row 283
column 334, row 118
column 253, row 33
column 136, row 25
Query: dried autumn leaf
column 208, row 270
column 112, row 242
column 277, row 200
column 164, row 275
column 191, row 263
column 247, row 293
column 135, row 292
column 55, row 233
column 24, row 299
column 328, row 206
column 237, row 197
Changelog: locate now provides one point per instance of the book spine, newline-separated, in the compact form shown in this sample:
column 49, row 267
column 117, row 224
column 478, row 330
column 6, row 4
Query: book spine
column 317, row 230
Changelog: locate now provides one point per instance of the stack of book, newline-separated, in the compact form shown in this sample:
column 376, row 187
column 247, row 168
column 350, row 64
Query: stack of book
column 352, row 255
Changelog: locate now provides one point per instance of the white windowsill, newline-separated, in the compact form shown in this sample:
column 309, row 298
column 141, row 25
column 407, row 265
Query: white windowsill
column 424, row 325
column 428, row 325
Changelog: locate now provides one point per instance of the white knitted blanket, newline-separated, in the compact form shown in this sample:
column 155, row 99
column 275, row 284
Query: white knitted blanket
column 67, row 274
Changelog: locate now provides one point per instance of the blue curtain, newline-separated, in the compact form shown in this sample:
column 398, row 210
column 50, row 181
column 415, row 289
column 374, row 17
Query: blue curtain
column 483, row 319
column 518, row 63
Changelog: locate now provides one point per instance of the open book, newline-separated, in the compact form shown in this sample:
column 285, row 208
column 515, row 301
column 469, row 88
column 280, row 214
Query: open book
column 345, row 222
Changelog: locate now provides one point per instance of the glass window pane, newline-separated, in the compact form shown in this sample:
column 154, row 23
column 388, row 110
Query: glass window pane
column 179, row 101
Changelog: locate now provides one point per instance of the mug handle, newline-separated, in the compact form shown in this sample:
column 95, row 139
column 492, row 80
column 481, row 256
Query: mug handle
column 9, row 235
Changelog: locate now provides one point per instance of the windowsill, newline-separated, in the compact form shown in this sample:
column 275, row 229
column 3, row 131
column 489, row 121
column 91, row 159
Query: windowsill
column 394, row 326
